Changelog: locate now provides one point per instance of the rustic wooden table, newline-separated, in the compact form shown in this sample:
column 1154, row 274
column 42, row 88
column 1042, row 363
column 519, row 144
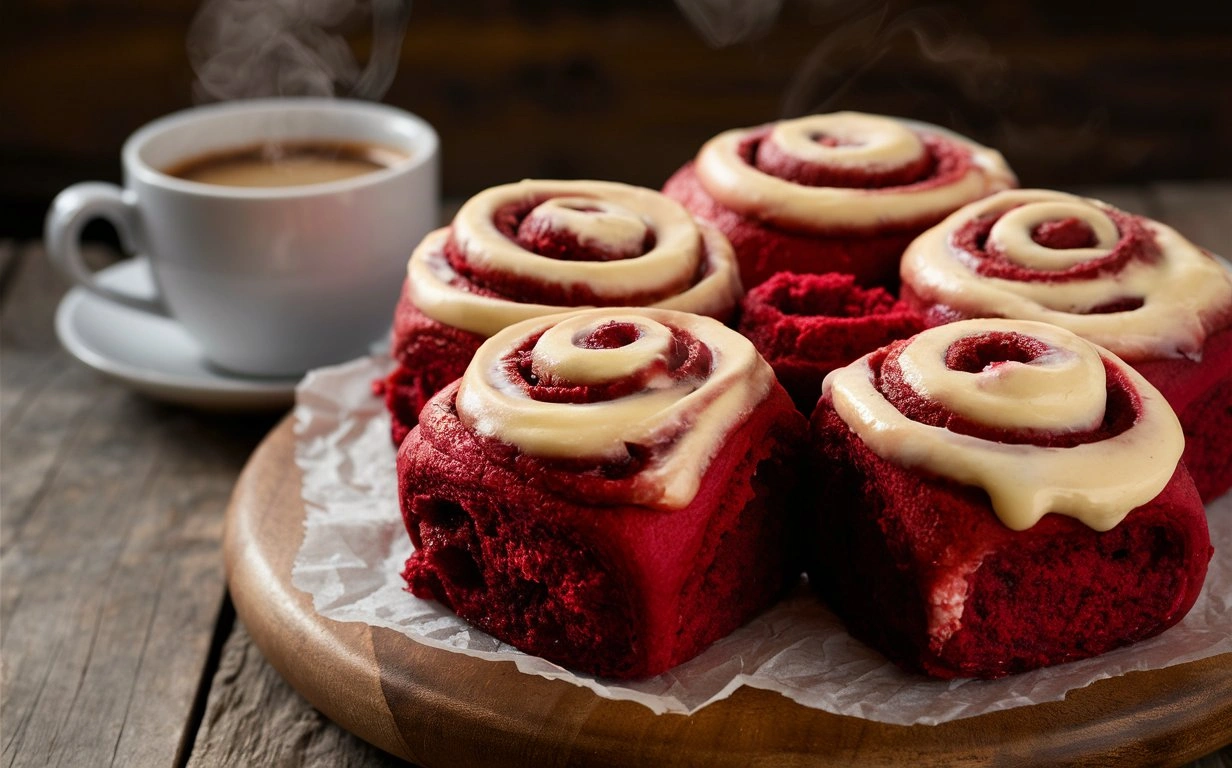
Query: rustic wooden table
column 119, row 643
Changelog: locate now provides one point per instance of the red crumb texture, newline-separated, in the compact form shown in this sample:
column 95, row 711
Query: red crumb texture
column 428, row 355
column 763, row 249
column 553, row 558
column 1065, row 233
column 1199, row 390
column 890, row 545
column 807, row 325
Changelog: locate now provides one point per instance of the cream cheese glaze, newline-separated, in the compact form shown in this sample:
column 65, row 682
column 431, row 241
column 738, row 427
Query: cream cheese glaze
column 617, row 216
column 869, row 141
column 863, row 141
column 1182, row 290
column 683, row 421
column 672, row 261
column 1098, row 483
column 596, row 222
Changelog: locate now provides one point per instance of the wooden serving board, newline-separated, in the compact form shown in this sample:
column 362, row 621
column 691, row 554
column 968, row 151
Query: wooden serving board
column 438, row 708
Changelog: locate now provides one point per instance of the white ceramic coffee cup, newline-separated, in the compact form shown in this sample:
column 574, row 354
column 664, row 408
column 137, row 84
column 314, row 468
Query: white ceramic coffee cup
column 270, row 281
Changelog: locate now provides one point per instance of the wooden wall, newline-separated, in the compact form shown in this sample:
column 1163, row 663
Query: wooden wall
column 1072, row 92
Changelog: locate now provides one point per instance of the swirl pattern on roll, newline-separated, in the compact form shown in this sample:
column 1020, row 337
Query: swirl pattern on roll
column 534, row 248
column 604, row 384
column 847, row 171
column 1125, row 282
column 1039, row 418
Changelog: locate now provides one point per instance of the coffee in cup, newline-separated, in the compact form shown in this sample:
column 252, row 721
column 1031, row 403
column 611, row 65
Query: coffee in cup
column 286, row 164
column 277, row 230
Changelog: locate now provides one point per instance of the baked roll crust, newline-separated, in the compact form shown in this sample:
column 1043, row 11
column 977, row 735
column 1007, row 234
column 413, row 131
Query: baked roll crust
column 998, row 496
column 607, row 489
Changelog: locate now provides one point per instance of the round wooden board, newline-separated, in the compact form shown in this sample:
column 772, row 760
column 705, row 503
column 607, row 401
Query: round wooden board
column 438, row 708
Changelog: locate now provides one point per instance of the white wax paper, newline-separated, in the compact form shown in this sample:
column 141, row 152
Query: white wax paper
column 355, row 546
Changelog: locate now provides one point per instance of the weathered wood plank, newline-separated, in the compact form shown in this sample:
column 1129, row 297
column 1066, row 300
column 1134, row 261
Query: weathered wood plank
column 116, row 572
column 112, row 579
column 28, row 311
column 32, row 355
column 62, row 553
column 34, row 370
column 253, row 717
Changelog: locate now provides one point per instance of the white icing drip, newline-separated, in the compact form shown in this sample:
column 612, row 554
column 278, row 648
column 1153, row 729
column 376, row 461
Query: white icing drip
column 1097, row 483
column 669, row 265
column 438, row 291
column 1060, row 391
column 727, row 178
column 866, row 141
column 1011, row 235
column 596, row 223
column 1181, row 290
column 683, row 422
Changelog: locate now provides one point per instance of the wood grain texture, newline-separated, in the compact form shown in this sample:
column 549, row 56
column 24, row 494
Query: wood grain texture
column 112, row 582
column 254, row 718
column 443, row 709
column 308, row 658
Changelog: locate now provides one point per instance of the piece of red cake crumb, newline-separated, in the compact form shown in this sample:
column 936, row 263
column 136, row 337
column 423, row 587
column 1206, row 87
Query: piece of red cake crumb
column 807, row 325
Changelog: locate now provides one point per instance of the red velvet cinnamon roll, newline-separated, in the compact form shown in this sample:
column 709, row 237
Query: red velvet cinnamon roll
column 607, row 489
column 844, row 192
column 536, row 248
column 808, row 325
column 1000, row 495
column 1125, row 282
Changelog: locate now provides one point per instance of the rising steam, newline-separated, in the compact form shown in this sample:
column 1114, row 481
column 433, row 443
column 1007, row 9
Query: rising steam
column 859, row 35
column 856, row 46
column 726, row 22
column 251, row 48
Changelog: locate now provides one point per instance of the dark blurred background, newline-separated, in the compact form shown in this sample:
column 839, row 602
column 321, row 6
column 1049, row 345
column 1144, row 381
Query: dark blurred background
column 1072, row 92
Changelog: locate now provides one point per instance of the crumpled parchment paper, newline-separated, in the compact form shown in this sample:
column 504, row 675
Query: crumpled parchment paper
column 355, row 546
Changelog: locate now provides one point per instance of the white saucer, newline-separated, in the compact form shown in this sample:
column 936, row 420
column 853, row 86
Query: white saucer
column 154, row 355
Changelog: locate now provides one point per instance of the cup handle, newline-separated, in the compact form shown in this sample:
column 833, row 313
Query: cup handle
column 71, row 210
